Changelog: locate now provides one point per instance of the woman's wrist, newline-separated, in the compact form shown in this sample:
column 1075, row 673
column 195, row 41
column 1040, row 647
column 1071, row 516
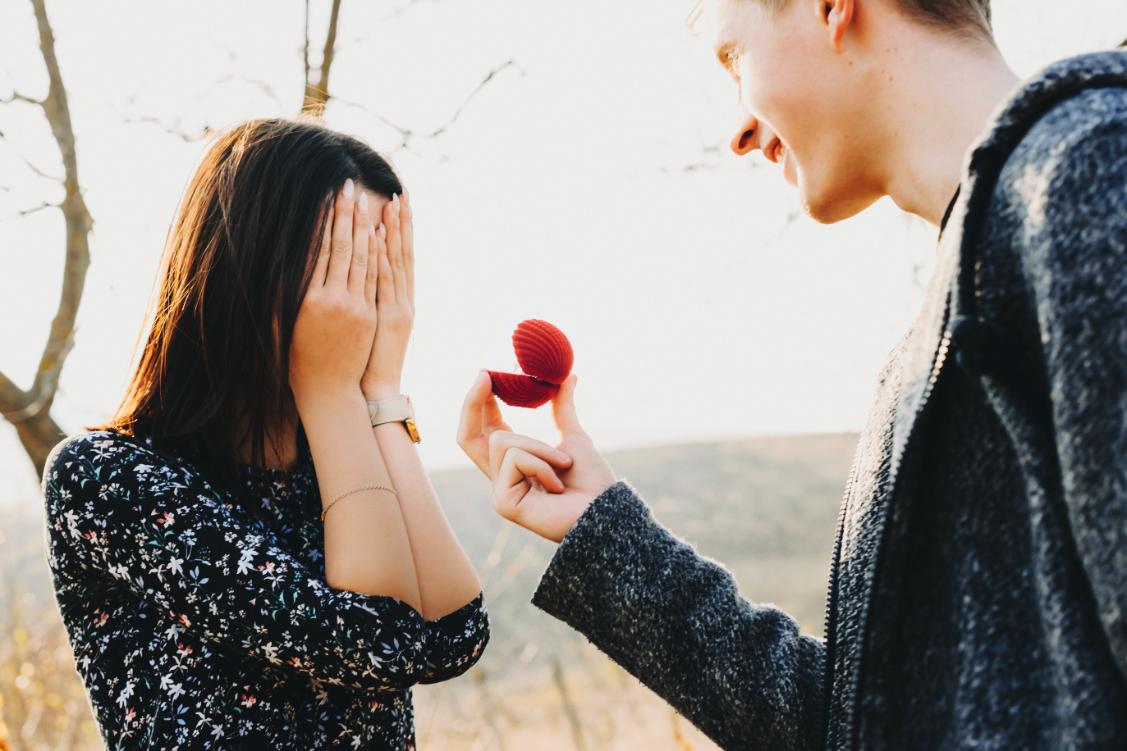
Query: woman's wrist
column 374, row 390
column 328, row 402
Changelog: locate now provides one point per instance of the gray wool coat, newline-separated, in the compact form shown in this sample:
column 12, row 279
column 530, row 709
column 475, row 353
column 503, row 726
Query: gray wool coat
column 978, row 593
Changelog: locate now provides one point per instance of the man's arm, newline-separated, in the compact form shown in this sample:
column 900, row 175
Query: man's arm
column 740, row 672
column 1074, row 257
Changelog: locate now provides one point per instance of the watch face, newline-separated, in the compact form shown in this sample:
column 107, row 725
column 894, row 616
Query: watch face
column 412, row 430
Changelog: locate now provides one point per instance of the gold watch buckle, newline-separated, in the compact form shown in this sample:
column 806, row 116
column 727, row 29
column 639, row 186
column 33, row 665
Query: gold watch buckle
column 412, row 430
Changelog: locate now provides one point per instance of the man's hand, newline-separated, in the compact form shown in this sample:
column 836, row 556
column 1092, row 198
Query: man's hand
column 540, row 487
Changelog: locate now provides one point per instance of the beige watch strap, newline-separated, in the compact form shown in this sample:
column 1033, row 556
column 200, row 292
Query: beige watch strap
column 393, row 409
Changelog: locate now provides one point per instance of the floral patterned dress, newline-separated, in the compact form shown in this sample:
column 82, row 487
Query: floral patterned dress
column 199, row 621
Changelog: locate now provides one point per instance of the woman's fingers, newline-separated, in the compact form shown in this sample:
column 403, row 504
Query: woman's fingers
column 371, row 279
column 407, row 222
column 395, row 246
column 513, row 481
column 321, row 266
column 385, row 283
column 501, row 442
column 358, row 270
column 341, row 256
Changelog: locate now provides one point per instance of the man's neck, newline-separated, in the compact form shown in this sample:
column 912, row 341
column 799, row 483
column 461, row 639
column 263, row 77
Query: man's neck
column 938, row 103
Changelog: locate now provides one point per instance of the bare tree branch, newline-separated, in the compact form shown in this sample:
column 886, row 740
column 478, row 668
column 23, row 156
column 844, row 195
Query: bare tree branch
column 305, row 52
column 30, row 165
column 399, row 10
column 570, row 712
column 407, row 135
column 29, row 411
column 328, row 53
column 18, row 97
column 259, row 84
column 317, row 94
column 477, row 90
column 175, row 129
column 711, row 154
column 45, row 205
column 402, row 8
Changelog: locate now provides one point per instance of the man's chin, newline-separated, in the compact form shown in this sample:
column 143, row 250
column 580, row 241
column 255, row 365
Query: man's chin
column 828, row 207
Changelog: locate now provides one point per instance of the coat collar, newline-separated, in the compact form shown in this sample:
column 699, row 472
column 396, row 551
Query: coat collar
column 950, row 292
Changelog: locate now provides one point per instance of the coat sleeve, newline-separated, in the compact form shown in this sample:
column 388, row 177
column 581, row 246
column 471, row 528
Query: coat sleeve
column 740, row 672
column 115, row 510
column 1074, row 260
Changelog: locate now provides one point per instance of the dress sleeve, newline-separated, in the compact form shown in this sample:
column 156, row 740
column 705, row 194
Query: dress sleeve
column 1074, row 258
column 455, row 641
column 119, row 511
column 674, row 619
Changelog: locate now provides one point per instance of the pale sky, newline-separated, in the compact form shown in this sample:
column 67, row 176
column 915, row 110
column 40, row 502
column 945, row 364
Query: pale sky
column 695, row 309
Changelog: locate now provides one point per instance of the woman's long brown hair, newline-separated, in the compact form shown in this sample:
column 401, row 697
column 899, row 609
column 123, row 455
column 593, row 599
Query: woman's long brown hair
column 213, row 372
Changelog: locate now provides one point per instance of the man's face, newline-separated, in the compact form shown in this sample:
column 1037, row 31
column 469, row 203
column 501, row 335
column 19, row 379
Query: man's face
column 804, row 101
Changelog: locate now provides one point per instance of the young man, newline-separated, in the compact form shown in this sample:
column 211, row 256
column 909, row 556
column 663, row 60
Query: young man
column 978, row 592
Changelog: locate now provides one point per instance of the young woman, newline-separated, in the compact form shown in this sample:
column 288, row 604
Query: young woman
column 249, row 554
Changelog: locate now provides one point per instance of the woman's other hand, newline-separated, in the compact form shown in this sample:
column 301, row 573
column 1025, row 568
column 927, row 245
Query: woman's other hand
column 540, row 487
column 336, row 322
column 395, row 299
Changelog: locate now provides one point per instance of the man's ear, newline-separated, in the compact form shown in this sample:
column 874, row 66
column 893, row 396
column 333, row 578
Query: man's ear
column 836, row 15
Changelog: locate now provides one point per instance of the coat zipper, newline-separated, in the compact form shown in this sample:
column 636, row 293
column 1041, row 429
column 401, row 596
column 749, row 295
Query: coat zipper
column 831, row 599
column 939, row 357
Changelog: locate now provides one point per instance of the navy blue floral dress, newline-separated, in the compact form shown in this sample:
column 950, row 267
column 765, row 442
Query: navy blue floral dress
column 203, row 622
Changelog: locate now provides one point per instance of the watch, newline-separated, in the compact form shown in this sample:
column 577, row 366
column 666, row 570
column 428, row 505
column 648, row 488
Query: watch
column 394, row 409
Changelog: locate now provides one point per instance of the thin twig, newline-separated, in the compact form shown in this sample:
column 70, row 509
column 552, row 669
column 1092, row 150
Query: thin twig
column 481, row 85
column 570, row 711
column 175, row 130
column 40, row 207
column 18, row 97
column 259, row 84
column 407, row 135
column 401, row 9
column 30, row 165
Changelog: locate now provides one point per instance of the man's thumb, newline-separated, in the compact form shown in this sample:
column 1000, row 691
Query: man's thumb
column 563, row 407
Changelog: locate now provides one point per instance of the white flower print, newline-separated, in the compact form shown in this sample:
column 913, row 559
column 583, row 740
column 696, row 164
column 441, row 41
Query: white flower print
column 126, row 692
column 245, row 561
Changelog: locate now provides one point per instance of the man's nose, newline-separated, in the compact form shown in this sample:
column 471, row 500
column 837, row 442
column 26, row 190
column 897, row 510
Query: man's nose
column 744, row 142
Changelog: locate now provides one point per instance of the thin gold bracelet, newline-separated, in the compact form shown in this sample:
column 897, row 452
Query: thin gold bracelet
column 329, row 505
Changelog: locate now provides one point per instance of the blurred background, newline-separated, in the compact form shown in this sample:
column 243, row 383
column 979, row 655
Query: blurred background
column 566, row 161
